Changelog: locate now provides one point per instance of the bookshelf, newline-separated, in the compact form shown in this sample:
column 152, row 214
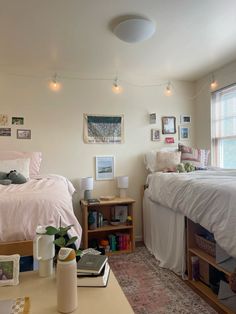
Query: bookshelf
column 206, row 259
column 102, row 232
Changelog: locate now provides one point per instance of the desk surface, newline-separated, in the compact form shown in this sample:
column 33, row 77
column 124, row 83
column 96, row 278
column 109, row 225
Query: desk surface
column 42, row 293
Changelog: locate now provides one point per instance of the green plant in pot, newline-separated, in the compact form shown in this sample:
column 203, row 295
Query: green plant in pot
column 62, row 239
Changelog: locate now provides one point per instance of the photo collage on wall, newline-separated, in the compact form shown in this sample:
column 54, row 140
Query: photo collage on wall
column 7, row 125
column 168, row 128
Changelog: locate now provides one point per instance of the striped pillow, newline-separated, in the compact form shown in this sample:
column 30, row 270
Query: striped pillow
column 197, row 157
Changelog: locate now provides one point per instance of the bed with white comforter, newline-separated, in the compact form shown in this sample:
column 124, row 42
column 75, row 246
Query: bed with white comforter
column 206, row 197
column 43, row 200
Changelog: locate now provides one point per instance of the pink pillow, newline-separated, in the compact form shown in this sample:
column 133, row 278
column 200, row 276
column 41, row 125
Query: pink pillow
column 197, row 157
column 167, row 161
column 35, row 159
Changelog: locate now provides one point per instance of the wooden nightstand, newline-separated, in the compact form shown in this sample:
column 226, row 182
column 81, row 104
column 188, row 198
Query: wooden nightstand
column 99, row 233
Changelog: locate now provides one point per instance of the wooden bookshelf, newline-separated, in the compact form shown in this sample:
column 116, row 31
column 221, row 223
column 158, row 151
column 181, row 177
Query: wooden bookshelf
column 105, row 207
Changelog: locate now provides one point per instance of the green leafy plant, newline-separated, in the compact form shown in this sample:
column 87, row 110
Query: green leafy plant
column 61, row 237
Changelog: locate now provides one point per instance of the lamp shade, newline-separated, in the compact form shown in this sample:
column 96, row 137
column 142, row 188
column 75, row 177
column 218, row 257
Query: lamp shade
column 134, row 30
column 123, row 182
column 87, row 183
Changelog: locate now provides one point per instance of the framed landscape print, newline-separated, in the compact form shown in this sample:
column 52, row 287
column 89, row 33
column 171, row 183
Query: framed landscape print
column 168, row 125
column 99, row 129
column 104, row 167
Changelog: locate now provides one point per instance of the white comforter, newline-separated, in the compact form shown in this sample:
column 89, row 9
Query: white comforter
column 43, row 200
column 206, row 197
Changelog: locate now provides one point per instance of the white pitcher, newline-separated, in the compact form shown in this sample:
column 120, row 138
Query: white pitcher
column 44, row 251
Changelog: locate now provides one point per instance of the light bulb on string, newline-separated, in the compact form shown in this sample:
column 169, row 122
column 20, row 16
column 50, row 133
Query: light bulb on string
column 214, row 83
column 55, row 85
column 168, row 90
column 116, row 88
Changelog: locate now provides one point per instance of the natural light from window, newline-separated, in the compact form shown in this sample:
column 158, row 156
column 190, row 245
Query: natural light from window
column 223, row 123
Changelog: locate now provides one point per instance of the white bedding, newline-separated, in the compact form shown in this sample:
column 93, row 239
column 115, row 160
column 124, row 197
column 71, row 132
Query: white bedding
column 206, row 197
column 43, row 200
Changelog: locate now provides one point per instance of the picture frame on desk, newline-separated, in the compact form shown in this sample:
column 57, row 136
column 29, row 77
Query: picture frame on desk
column 9, row 270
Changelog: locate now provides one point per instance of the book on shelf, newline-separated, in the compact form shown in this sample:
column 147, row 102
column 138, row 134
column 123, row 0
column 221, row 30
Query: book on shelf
column 91, row 264
column 92, row 280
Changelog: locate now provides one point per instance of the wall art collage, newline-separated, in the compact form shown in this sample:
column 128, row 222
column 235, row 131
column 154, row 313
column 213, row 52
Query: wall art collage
column 10, row 124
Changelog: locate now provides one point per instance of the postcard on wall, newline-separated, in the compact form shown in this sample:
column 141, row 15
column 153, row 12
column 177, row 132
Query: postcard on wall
column 17, row 120
column 3, row 119
column 24, row 134
column 183, row 133
column 5, row 131
column 99, row 129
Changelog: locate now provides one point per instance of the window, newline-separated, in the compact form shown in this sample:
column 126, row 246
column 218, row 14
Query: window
column 223, row 123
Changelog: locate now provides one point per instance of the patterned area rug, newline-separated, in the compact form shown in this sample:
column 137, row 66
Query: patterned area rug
column 151, row 289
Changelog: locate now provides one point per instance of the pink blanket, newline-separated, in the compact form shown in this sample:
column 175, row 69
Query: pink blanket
column 43, row 200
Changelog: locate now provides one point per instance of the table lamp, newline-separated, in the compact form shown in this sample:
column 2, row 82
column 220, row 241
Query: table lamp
column 87, row 186
column 122, row 184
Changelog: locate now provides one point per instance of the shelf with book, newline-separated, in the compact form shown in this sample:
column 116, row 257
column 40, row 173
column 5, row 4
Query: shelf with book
column 120, row 237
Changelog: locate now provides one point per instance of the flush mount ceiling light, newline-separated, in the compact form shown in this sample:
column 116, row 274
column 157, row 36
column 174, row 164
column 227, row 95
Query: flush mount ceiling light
column 134, row 30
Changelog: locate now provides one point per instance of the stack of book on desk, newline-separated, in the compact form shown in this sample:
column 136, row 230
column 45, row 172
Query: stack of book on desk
column 92, row 271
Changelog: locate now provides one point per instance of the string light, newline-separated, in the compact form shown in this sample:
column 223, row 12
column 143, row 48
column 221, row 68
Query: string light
column 116, row 88
column 168, row 91
column 214, row 83
column 55, row 85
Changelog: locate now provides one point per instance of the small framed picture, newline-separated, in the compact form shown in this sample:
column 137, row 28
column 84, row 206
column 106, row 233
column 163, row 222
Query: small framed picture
column 155, row 135
column 17, row 120
column 183, row 133
column 9, row 270
column 185, row 119
column 152, row 118
column 104, row 167
column 168, row 125
column 24, row 134
column 3, row 119
column 5, row 131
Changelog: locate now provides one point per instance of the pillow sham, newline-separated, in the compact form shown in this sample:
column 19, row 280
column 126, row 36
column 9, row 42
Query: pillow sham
column 198, row 157
column 20, row 165
column 167, row 161
column 35, row 159
column 150, row 159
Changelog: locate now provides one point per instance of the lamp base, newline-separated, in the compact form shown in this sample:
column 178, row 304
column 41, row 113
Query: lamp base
column 87, row 194
column 123, row 193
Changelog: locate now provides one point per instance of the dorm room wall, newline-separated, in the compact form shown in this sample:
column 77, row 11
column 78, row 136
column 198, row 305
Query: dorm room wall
column 56, row 121
column 224, row 76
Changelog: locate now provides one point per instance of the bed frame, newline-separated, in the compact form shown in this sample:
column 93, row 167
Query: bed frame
column 24, row 248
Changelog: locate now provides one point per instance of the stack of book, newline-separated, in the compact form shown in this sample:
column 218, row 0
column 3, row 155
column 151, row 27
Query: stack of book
column 92, row 271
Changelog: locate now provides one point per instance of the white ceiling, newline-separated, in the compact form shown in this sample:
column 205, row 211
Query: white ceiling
column 193, row 37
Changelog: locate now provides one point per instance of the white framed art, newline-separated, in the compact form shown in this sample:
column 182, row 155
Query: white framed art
column 9, row 270
column 184, row 133
column 185, row 119
column 104, row 166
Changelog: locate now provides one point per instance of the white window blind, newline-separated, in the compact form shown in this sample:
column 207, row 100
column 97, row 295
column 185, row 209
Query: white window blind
column 223, row 122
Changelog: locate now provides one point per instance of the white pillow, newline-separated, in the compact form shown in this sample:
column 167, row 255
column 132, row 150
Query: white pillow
column 150, row 158
column 20, row 165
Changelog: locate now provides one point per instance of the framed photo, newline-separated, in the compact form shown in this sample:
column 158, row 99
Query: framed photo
column 9, row 269
column 23, row 134
column 152, row 118
column 5, row 131
column 104, row 167
column 185, row 119
column 17, row 120
column 100, row 129
column 168, row 125
column 3, row 119
column 155, row 135
column 184, row 133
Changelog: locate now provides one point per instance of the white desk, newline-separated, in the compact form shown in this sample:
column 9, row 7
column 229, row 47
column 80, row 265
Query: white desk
column 42, row 293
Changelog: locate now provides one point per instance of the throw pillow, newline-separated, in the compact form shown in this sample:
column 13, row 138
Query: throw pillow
column 197, row 157
column 167, row 161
